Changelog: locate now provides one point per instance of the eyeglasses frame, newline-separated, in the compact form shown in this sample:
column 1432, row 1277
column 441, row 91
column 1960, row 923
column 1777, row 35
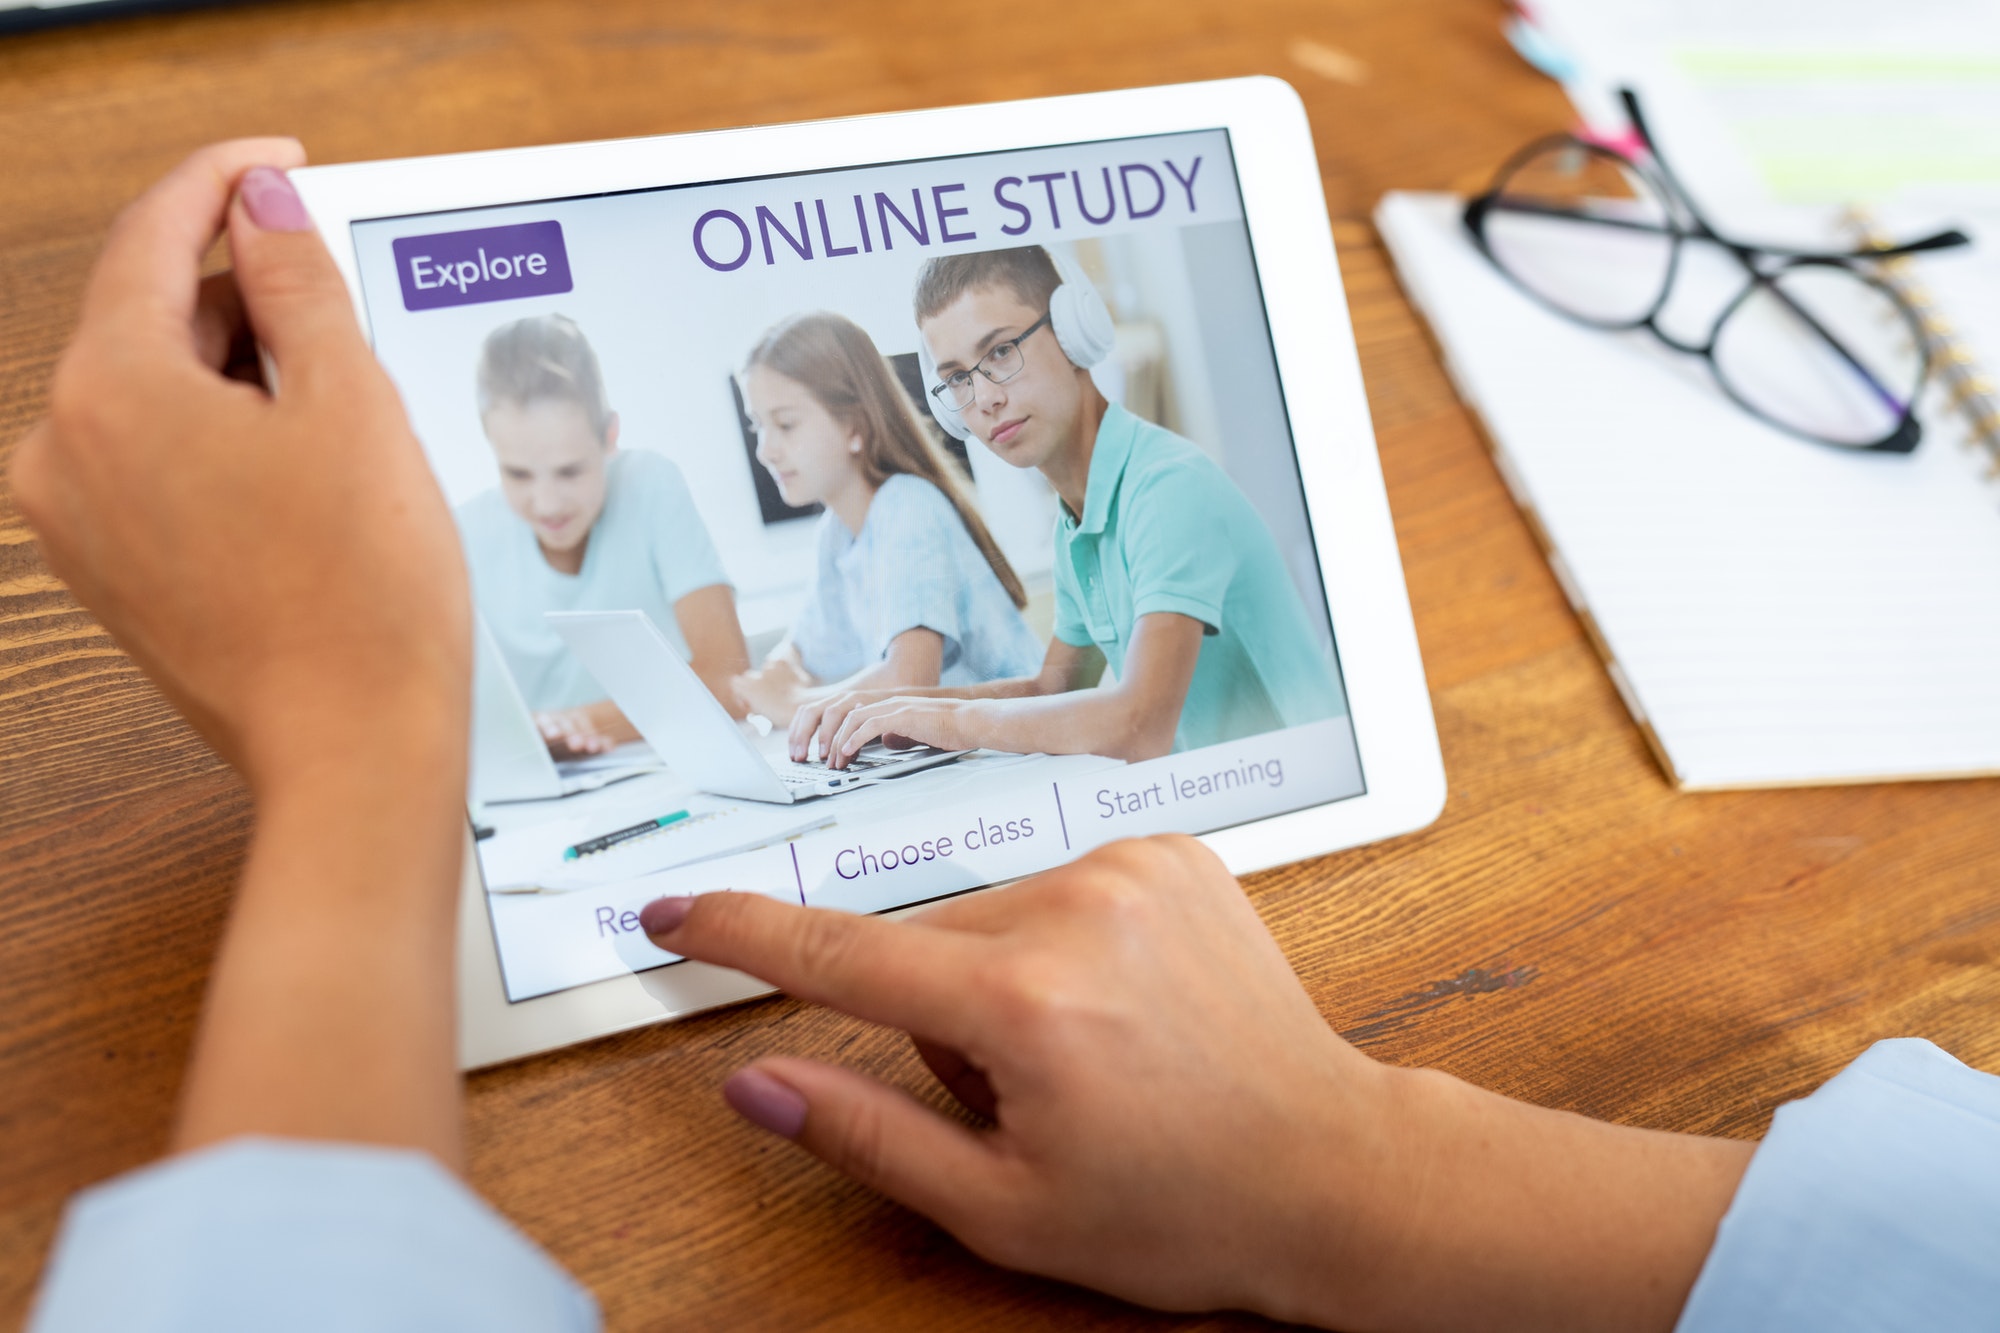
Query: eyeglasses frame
column 1761, row 274
column 938, row 389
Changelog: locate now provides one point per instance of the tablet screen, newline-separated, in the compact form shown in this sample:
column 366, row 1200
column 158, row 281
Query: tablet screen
column 988, row 452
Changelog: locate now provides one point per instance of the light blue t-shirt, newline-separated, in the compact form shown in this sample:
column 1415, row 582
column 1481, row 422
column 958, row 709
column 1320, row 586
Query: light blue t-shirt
column 1163, row 528
column 647, row 550
column 913, row 565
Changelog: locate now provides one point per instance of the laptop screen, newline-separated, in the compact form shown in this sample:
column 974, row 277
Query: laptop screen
column 987, row 453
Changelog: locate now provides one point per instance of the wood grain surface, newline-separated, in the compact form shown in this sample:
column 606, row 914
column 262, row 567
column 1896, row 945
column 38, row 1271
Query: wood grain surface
column 1572, row 930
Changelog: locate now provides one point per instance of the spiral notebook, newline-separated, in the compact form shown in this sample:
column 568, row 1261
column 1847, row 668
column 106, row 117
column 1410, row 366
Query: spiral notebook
column 1774, row 613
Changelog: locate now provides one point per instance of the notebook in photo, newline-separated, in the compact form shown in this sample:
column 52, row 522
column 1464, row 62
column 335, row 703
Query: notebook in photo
column 1773, row 612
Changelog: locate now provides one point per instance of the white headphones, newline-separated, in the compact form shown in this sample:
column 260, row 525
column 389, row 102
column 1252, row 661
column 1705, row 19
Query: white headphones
column 1077, row 316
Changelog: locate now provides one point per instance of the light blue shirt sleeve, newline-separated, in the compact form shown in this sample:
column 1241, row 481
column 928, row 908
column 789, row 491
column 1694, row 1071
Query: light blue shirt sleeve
column 1873, row 1204
column 262, row 1234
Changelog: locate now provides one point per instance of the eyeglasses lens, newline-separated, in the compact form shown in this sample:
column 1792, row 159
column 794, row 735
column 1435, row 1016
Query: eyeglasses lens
column 1580, row 228
column 1003, row 361
column 1001, row 364
column 1822, row 351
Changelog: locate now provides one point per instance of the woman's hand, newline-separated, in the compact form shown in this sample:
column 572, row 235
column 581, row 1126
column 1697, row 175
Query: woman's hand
column 1159, row 1083
column 1168, row 1118
column 280, row 561
column 576, row 733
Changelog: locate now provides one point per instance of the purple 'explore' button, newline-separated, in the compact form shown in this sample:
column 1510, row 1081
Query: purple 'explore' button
column 492, row 264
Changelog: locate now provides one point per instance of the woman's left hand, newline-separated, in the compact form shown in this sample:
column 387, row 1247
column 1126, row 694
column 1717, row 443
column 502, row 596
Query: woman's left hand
column 277, row 558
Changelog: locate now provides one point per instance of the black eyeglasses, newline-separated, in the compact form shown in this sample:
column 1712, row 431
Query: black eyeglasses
column 1809, row 341
column 1002, row 362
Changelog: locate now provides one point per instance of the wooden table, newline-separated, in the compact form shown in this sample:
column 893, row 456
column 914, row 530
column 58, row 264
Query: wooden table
column 1572, row 930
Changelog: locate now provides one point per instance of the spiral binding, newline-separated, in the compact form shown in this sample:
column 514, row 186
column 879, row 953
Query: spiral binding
column 1968, row 389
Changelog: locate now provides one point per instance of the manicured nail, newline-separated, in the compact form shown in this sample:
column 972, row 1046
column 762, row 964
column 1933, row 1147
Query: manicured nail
column 765, row 1102
column 271, row 201
column 663, row 916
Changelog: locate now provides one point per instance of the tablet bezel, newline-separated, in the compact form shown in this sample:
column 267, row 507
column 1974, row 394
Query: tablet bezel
column 1312, row 339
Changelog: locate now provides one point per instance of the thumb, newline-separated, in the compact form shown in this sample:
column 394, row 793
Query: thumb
column 881, row 1136
column 297, row 305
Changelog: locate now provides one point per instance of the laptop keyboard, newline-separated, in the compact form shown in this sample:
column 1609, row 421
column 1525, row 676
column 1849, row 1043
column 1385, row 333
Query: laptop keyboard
column 813, row 773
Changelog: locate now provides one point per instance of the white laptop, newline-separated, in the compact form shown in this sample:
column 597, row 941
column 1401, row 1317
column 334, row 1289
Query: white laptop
column 510, row 760
column 692, row 733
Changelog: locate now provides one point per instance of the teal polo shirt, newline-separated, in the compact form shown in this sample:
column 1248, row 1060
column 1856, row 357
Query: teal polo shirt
column 1164, row 529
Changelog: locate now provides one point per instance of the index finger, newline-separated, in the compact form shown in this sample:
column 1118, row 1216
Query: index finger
column 898, row 973
column 149, row 273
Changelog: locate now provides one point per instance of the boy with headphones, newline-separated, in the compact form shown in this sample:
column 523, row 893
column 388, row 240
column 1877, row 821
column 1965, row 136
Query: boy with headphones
column 1161, row 562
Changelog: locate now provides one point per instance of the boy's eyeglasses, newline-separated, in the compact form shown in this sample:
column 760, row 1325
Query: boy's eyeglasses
column 1002, row 362
column 1811, row 342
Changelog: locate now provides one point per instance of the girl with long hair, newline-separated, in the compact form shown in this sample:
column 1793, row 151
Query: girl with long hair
column 910, row 588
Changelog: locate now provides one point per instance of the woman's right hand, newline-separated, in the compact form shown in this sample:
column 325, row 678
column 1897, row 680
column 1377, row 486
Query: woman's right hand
column 1165, row 1116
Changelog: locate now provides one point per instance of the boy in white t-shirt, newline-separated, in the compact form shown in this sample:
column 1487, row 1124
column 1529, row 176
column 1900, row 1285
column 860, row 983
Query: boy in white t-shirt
column 576, row 525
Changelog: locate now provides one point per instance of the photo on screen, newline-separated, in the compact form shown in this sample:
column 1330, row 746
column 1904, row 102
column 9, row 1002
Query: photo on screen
column 973, row 472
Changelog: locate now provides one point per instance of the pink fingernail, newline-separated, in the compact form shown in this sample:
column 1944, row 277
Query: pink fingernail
column 271, row 201
column 765, row 1102
column 663, row 916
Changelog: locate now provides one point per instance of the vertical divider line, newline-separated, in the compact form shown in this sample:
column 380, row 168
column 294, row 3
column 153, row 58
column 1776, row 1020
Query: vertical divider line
column 797, row 878
column 1060, row 818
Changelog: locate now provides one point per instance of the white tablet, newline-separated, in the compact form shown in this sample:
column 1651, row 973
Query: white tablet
column 1057, row 391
